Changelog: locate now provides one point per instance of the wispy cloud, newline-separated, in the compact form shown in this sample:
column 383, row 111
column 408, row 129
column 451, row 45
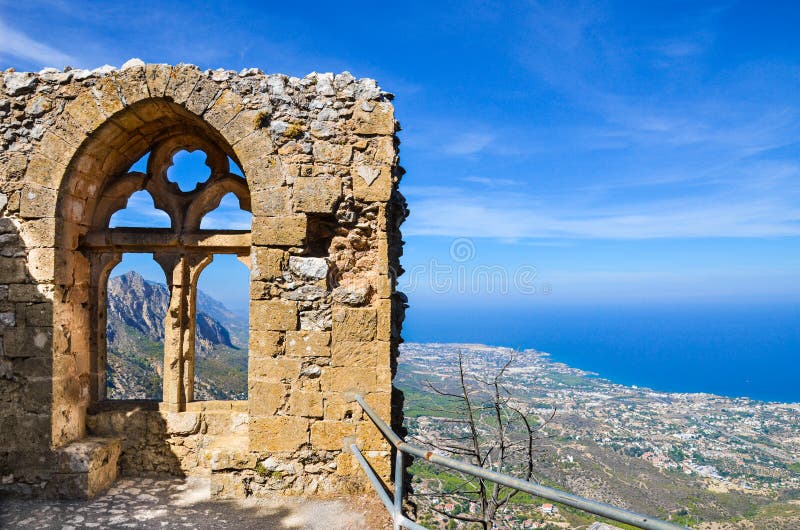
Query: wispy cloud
column 655, row 88
column 760, row 199
column 14, row 44
column 468, row 144
column 679, row 48
column 492, row 182
column 457, row 216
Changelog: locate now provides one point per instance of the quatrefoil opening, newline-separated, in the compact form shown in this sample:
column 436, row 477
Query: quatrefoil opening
column 189, row 169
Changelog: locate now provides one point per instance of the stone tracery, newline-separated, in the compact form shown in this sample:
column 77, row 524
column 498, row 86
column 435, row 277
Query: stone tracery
column 182, row 251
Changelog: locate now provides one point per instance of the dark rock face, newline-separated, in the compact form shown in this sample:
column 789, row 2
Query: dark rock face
column 210, row 332
column 138, row 303
column 142, row 305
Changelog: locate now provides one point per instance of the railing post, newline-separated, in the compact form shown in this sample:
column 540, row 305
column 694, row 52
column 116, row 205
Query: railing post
column 399, row 480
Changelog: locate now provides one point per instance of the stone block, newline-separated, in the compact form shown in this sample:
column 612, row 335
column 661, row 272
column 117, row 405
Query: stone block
column 346, row 464
column 342, row 407
column 315, row 320
column 24, row 431
column 261, row 290
column 354, row 324
column 372, row 183
column 308, row 343
column 61, row 147
column 265, row 343
column 268, row 263
column 273, row 315
column 158, row 77
column 181, row 423
column 274, row 370
column 39, row 314
column 241, row 126
column 369, row 438
column 349, row 379
column 317, row 194
column 265, row 174
column 286, row 231
column 332, row 435
column 85, row 112
column 385, row 152
column 38, row 233
column 227, row 486
column 330, row 153
column 42, row 265
column 352, row 353
column 374, row 118
column 87, row 455
column 308, row 268
column 263, row 169
column 305, row 403
column 381, row 403
column 278, row 433
column 29, row 342
column 132, row 84
column 213, row 422
column 384, row 307
column 87, row 468
column 229, row 452
column 184, row 78
column 380, row 462
column 27, row 292
column 12, row 270
column 201, row 97
column 72, row 208
column 265, row 399
column 223, row 109
column 37, row 201
column 44, row 172
column 383, row 378
column 271, row 202
column 108, row 97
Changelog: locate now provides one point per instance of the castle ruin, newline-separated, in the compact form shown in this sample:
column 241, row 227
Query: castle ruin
column 320, row 165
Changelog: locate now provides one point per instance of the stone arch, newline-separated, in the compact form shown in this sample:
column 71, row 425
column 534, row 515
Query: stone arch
column 97, row 168
column 320, row 160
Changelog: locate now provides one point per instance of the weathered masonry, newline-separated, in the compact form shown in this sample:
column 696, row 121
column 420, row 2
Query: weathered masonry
column 319, row 159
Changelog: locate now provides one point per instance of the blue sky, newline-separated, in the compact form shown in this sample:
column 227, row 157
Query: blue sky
column 614, row 152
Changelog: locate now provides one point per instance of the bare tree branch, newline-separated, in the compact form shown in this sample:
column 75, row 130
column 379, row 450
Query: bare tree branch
column 497, row 434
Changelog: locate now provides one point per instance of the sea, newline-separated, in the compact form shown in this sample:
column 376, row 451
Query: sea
column 730, row 349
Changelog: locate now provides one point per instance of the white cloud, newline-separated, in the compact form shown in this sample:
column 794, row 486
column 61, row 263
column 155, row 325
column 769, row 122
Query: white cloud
column 15, row 44
column 468, row 144
column 492, row 182
column 745, row 212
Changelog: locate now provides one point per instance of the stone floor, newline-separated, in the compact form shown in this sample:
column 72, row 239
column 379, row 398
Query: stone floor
column 185, row 503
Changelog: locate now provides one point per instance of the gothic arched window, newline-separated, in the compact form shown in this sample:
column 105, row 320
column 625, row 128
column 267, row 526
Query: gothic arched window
column 183, row 249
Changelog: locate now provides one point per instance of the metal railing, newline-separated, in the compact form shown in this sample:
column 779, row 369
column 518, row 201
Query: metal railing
column 395, row 506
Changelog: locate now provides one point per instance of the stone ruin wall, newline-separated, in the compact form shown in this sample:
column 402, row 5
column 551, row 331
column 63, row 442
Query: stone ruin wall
column 321, row 162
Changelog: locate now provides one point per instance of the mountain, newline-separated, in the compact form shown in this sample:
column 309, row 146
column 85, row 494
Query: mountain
column 135, row 330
